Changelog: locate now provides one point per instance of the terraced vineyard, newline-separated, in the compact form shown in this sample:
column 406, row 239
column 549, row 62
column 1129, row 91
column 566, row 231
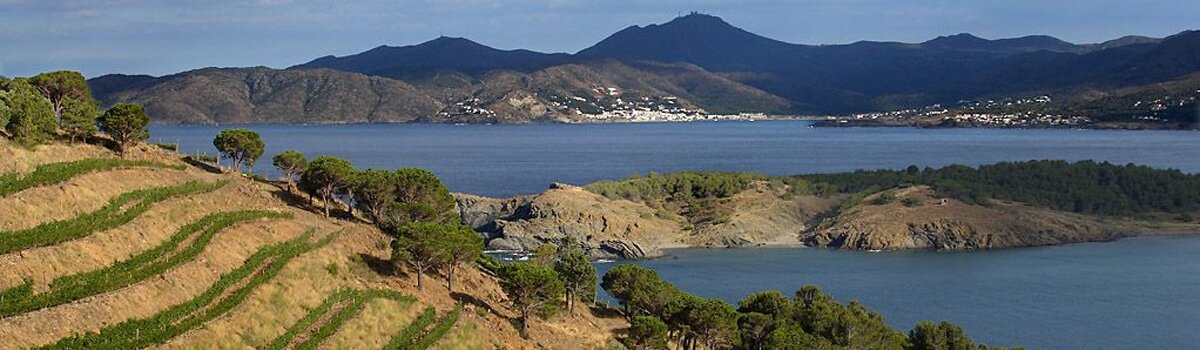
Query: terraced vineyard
column 228, row 292
column 320, row 323
column 131, row 259
column 119, row 211
column 53, row 173
column 148, row 264
column 424, row 331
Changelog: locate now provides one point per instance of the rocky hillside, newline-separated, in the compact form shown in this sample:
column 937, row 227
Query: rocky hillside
column 572, row 92
column 928, row 222
column 619, row 228
column 264, row 95
column 150, row 251
column 771, row 214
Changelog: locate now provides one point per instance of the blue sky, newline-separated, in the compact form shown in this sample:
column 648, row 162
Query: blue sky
column 162, row 37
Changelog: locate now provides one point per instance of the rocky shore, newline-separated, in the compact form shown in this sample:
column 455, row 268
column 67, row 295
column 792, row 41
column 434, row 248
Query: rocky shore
column 765, row 215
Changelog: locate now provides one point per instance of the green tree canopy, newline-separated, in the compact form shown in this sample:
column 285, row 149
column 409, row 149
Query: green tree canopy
column 647, row 333
column 418, row 244
column 713, row 323
column 241, row 146
column 127, row 124
column 5, row 112
column 770, row 303
column 78, row 118
column 939, row 336
column 578, row 275
column 458, row 244
column 62, row 86
column 291, row 163
column 849, row 325
column 374, row 191
column 638, row 289
column 326, row 177
column 31, row 118
column 422, row 197
column 533, row 289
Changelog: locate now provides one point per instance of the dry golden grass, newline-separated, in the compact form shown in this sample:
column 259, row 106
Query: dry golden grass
column 104, row 248
column 83, row 194
column 464, row 336
column 271, row 309
column 14, row 158
column 227, row 251
column 374, row 327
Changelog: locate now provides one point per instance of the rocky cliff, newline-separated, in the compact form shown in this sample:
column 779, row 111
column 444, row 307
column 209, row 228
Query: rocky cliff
column 768, row 215
column 927, row 222
column 618, row 228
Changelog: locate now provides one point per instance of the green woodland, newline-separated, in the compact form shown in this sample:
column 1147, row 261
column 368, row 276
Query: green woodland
column 1086, row 187
column 660, row 314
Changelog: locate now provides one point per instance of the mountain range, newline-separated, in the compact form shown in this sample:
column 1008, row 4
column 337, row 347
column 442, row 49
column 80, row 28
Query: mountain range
column 693, row 64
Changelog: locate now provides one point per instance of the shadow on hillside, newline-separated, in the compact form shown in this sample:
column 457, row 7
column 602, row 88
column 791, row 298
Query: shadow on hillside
column 296, row 200
column 466, row 299
column 202, row 165
column 381, row 266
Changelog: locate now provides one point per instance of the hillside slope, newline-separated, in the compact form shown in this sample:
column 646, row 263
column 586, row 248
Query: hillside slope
column 567, row 93
column 263, row 95
column 334, row 255
column 766, row 213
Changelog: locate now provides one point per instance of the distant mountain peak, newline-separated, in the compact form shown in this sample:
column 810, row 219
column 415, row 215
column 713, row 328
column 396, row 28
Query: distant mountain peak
column 697, row 17
column 956, row 40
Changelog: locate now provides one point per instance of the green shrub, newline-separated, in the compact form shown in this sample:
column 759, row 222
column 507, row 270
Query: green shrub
column 204, row 158
column 884, row 197
column 150, row 263
column 117, row 212
column 48, row 174
column 912, row 201
column 676, row 186
column 173, row 147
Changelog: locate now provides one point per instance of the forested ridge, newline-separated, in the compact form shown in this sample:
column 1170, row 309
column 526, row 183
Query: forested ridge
column 1086, row 187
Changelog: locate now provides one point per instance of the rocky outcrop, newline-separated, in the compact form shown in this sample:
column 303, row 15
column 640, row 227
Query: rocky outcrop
column 767, row 215
column 954, row 225
column 610, row 228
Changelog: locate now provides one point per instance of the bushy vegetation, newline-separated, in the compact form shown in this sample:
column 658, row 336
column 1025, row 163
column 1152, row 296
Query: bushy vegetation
column 676, row 186
column 426, row 245
column 229, row 291
column 127, row 124
column 240, row 146
column 49, row 174
column 1086, row 187
column 291, row 163
column 31, row 119
column 117, row 212
column 767, row 320
column 353, row 300
column 150, row 263
column 39, row 109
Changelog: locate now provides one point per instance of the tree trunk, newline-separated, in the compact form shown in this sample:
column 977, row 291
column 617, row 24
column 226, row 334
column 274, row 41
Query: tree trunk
column 450, row 279
column 325, row 199
column 420, row 272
